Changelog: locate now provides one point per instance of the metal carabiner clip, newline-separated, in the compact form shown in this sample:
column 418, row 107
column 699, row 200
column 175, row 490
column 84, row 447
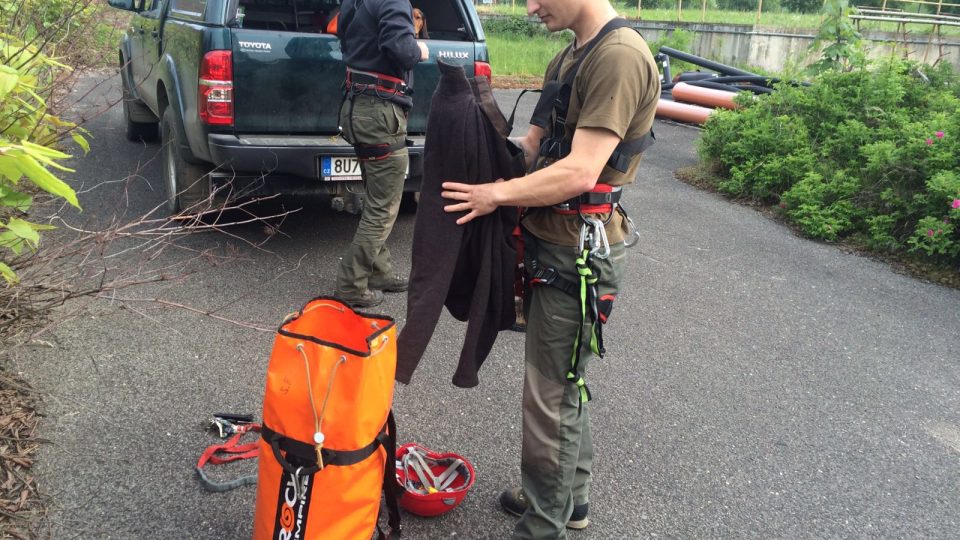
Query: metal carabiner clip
column 633, row 235
column 594, row 235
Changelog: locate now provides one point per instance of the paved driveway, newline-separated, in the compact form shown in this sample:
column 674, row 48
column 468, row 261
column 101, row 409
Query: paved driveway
column 757, row 384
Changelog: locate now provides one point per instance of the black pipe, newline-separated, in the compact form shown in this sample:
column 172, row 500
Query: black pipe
column 688, row 76
column 753, row 79
column 703, row 62
column 731, row 87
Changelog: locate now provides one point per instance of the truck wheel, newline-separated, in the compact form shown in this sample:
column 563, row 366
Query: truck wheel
column 133, row 113
column 187, row 184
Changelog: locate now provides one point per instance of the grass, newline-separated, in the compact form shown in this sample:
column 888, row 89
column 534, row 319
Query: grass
column 515, row 55
column 693, row 13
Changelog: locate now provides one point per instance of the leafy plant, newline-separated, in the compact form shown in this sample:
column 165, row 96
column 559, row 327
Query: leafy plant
column 843, row 49
column 28, row 139
column 679, row 39
column 871, row 152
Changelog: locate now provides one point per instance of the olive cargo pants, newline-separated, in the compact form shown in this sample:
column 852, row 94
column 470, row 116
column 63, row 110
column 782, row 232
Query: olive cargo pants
column 374, row 121
column 557, row 455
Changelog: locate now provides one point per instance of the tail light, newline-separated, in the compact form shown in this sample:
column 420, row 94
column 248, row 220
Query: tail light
column 482, row 69
column 215, row 100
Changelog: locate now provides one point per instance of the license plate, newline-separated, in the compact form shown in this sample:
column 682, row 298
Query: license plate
column 343, row 168
column 340, row 168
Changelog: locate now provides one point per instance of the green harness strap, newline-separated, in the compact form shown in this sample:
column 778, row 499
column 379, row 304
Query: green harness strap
column 588, row 297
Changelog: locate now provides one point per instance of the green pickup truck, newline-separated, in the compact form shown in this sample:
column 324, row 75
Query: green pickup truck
column 244, row 94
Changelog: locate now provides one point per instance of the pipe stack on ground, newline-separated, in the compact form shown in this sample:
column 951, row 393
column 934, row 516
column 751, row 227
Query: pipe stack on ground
column 692, row 96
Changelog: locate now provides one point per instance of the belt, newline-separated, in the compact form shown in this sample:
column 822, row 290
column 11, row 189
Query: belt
column 368, row 80
column 602, row 199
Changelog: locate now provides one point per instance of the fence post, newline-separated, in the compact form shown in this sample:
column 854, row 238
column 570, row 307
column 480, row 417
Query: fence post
column 759, row 9
column 679, row 10
column 703, row 10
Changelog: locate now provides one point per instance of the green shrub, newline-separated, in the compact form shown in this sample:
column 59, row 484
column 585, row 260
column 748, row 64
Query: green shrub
column 679, row 39
column 869, row 151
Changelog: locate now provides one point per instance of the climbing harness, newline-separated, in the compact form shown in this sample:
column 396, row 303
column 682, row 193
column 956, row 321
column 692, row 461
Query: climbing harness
column 382, row 87
column 551, row 111
column 432, row 483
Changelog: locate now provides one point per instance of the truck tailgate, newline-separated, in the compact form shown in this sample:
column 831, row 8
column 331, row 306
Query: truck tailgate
column 286, row 82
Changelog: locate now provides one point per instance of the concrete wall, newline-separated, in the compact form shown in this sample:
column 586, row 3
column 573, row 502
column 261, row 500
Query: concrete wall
column 774, row 48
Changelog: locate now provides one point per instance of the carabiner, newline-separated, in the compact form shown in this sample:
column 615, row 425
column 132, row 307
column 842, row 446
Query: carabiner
column 633, row 235
column 593, row 236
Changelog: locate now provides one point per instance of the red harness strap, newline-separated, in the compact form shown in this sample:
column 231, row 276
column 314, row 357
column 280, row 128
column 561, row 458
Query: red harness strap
column 599, row 200
column 380, row 82
column 231, row 450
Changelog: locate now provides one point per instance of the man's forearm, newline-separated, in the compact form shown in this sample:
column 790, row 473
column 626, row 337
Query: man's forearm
column 545, row 187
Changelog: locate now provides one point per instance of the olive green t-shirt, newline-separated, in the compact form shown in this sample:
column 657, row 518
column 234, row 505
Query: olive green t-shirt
column 616, row 88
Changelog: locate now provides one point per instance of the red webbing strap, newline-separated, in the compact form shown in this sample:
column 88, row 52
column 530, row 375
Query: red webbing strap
column 231, row 450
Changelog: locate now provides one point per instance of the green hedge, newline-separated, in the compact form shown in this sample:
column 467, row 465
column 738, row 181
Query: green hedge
column 871, row 154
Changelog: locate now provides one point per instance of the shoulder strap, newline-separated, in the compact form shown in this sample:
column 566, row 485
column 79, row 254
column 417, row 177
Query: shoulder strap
column 567, row 83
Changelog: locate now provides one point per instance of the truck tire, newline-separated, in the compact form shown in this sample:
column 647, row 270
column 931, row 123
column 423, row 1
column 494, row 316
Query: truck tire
column 186, row 184
column 141, row 123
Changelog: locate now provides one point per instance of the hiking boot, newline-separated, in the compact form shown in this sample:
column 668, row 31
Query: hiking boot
column 514, row 502
column 395, row 283
column 368, row 298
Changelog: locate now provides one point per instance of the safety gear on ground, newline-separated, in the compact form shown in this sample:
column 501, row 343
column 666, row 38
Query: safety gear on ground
column 328, row 438
column 233, row 426
column 432, row 483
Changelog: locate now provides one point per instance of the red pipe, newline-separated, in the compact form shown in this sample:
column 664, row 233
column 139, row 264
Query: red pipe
column 682, row 112
column 704, row 96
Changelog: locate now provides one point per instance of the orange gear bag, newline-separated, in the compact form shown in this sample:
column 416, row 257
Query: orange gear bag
column 328, row 439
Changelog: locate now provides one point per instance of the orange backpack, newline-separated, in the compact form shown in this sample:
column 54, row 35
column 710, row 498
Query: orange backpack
column 328, row 437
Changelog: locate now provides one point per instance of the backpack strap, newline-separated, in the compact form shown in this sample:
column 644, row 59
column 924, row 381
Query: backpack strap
column 555, row 98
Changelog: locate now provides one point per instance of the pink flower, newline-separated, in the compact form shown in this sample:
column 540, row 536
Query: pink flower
column 929, row 141
column 939, row 134
column 956, row 203
column 929, row 232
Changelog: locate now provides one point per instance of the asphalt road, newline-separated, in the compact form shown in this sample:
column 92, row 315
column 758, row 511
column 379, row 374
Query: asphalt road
column 757, row 384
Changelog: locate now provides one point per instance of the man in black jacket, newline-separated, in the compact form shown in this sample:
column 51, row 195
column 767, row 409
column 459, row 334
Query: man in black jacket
column 379, row 49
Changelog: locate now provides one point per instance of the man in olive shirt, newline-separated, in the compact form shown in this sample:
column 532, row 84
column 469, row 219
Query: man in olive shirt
column 613, row 99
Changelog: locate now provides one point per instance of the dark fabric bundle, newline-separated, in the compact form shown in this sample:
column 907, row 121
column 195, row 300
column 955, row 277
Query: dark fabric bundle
column 467, row 268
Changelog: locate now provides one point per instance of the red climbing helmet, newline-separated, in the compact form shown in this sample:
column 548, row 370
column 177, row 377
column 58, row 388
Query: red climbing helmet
column 432, row 483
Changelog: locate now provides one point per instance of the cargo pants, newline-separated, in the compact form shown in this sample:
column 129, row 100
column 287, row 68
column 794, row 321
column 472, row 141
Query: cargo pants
column 557, row 454
column 374, row 121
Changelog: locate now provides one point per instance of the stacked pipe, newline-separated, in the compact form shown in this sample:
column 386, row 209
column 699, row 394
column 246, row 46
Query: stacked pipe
column 693, row 96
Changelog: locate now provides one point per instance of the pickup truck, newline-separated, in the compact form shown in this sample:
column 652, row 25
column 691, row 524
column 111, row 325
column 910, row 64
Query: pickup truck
column 245, row 94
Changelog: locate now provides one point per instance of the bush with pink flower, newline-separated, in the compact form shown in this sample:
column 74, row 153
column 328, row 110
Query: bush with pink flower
column 870, row 153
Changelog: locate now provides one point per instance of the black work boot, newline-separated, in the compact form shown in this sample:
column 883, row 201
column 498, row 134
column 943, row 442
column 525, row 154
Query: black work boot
column 514, row 502
column 366, row 299
column 395, row 283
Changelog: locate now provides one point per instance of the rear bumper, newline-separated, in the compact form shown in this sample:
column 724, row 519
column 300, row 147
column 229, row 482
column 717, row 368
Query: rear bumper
column 293, row 157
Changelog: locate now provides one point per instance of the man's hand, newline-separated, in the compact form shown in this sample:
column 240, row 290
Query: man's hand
column 424, row 51
column 475, row 199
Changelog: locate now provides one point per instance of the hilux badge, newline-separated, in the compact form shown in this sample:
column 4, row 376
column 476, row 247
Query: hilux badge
column 453, row 54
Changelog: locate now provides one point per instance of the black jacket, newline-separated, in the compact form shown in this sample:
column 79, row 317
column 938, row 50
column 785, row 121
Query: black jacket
column 377, row 36
column 469, row 268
